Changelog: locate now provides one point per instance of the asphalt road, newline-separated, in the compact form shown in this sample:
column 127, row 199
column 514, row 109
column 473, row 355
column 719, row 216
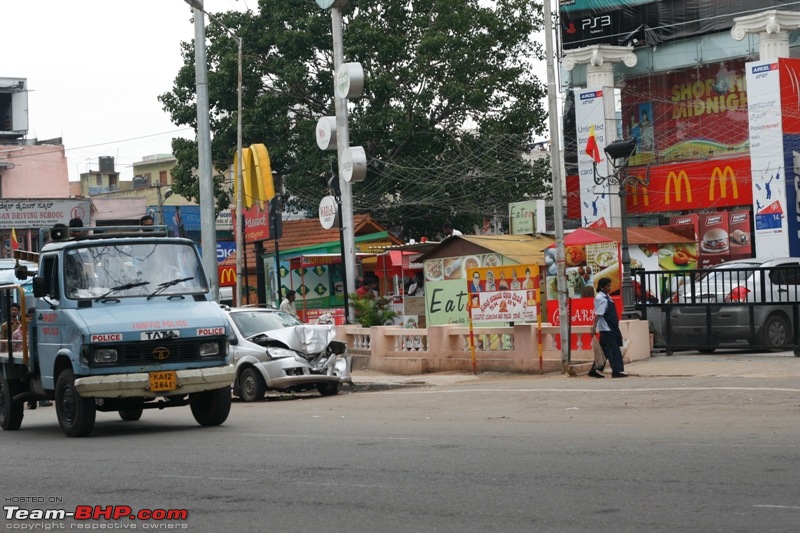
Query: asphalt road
column 523, row 454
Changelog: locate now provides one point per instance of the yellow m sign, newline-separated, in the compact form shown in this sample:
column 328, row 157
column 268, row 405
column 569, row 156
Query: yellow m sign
column 226, row 275
column 723, row 176
column 674, row 183
column 257, row 181
column 637, row 190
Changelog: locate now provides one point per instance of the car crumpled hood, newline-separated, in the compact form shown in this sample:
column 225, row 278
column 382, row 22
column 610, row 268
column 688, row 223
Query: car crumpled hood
column 305, row 339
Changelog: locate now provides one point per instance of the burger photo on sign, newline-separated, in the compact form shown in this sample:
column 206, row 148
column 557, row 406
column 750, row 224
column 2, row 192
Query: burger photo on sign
column 715, row 241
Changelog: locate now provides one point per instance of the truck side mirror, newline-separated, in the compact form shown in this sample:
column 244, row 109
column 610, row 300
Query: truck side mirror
column 39, row 286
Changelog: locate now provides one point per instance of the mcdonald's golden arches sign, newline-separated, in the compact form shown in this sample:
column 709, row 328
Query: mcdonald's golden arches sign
column 227, row 276
column 691, row 185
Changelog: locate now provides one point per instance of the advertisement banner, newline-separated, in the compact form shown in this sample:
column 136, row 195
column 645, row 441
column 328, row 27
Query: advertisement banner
column 585, row 265
column 740, row 229
column 256, row 223
column 714, row 240
column 491, row 298
column 687, row 220
column 651, row 22
column 581, row 311
column 691, row 186
column 687, row 115
column 526, row 218
column 226, row 276
column 790, row 105
column 27, row 213
column 767, row 158
column 592, row 139
column 446, row 302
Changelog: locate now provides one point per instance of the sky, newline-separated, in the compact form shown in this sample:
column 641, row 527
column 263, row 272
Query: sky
column 95, row 69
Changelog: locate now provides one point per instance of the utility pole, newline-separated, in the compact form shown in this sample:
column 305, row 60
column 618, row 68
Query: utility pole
column 208, row 219
column 342, row 144
column 555, row 168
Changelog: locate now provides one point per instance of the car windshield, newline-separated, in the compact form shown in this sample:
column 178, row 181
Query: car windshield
column 132, row 269
column 250, row 323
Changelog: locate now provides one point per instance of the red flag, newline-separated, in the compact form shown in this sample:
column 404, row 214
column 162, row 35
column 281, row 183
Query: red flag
column 14, row 243
column 591, row 146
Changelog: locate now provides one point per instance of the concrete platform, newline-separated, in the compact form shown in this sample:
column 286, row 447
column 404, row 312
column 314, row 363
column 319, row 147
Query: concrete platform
column 689, row 364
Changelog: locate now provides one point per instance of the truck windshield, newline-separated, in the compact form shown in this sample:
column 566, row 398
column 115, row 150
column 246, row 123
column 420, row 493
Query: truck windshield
column 132, row 269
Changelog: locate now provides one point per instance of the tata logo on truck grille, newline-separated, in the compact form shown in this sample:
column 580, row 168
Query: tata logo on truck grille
column 158, row 335
column 160, row 353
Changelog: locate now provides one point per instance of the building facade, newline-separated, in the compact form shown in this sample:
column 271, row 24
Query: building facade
column 685, row 79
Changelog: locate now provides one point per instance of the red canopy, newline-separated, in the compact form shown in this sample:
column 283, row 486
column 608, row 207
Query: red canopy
column 636, row 235
column 394, row 262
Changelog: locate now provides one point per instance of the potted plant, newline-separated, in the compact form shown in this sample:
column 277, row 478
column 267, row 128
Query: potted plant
column 370, row 311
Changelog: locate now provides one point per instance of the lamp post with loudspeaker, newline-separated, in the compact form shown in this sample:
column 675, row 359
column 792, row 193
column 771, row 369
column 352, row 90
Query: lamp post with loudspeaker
column 620, row 153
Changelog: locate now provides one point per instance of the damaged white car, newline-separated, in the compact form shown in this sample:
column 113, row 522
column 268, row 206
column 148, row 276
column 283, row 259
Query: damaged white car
column 272, row 350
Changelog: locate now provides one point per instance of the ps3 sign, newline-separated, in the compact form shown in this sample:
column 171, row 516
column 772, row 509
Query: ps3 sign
column 595, row 24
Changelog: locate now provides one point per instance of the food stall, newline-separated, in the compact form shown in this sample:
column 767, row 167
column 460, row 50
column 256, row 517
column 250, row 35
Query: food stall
column 445, row 268
column 394, row 268
column 592, row 254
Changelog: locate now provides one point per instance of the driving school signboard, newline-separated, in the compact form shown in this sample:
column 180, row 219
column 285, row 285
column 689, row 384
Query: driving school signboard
column 496, row 296
column 28, row 213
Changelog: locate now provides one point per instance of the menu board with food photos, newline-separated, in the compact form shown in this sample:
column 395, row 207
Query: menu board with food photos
column 739, row 224
column 715, row 245
column 585, row 265
column 721, row 236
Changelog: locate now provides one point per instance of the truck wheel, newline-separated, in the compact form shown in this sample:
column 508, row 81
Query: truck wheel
column 211, row 408
column 131, row 415
column 75, row 414
column 251, row 385
column 11, row 410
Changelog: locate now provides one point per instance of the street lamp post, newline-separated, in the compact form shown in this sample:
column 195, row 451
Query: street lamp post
column 198, row 6
column 619, row 153
column 239, row 180
column 208, row 228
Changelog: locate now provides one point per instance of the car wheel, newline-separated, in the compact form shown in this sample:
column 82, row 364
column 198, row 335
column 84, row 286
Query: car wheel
column 251, row 385
column 211, row 408
column 776, row 332
column 75, row 414
column 131, row 415
column 11, row 410
column 328, row 389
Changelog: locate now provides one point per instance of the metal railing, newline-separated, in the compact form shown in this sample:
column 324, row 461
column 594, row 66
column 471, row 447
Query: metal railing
column 726, row 306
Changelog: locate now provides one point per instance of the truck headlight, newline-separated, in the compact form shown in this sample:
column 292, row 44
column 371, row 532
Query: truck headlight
column 105, row 355
column 208, row 349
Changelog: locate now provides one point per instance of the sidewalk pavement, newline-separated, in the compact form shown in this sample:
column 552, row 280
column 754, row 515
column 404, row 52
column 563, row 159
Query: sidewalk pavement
column 740, row 365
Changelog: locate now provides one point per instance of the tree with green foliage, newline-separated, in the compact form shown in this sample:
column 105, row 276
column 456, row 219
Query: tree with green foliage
column 450, row 108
